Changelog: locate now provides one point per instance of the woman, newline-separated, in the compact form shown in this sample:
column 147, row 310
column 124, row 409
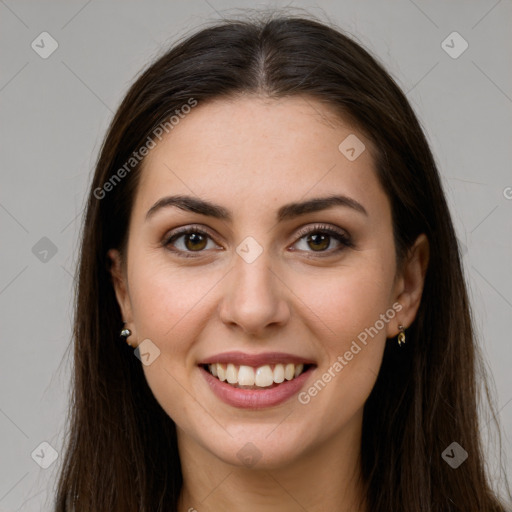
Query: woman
column 271, row 311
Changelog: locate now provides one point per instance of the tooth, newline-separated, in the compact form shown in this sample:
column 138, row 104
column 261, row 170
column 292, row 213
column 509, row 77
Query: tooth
column 246, row 376
column 221, row 372
column 264, row 376
column 231, row 374
column 278, row 373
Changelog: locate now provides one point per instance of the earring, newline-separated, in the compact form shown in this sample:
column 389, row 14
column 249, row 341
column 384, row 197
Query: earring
column 401, row 335
column 126, row 333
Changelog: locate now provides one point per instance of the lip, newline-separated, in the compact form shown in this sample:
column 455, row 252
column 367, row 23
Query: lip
column 255, row 360
column 256, row 398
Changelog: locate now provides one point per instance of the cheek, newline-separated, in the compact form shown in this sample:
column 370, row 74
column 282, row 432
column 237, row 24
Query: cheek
column 166, row 300
column 170, row 306
column 349, row 305
column 350, row 301
column 358, row 313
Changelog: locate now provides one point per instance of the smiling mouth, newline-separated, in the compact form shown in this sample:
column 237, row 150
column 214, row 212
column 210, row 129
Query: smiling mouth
column 262, row 377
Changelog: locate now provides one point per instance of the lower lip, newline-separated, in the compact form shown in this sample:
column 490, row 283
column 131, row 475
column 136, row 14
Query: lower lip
column 255, row 398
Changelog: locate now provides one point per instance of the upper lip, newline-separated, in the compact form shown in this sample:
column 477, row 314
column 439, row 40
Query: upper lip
column 255, row 360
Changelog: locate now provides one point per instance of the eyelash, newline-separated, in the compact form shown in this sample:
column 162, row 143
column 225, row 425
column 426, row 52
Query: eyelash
column 339, row 235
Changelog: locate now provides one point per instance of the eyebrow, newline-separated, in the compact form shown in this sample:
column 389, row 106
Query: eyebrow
column 287, row 212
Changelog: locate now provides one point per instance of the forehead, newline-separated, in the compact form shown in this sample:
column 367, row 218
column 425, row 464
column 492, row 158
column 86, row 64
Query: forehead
column 250, row 151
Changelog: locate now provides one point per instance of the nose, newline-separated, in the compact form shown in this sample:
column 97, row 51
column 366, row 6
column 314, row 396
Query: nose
column 254, row 297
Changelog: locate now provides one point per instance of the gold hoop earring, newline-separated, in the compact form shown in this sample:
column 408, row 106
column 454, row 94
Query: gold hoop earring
column 401, row 335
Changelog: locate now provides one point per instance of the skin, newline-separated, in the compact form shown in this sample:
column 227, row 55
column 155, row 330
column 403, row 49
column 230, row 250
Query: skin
column 253, row 155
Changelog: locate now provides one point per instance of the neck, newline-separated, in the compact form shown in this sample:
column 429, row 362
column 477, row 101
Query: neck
column 326, row 477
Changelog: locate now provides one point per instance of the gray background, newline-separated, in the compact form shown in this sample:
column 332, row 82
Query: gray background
column 54, row 113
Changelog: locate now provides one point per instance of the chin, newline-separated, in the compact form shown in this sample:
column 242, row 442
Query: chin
column 258, row 447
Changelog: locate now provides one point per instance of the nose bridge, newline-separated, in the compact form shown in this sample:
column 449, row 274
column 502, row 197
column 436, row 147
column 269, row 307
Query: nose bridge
column 253, row 270
column 255, row 296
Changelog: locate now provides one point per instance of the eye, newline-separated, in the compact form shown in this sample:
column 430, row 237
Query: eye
column 319, row 238
column 195, row 239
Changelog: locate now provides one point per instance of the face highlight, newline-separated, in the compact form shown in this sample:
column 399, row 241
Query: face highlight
column 257, row 272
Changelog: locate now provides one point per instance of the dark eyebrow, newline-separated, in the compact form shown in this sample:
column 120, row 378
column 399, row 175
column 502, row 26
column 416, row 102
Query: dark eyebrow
column 286, row 212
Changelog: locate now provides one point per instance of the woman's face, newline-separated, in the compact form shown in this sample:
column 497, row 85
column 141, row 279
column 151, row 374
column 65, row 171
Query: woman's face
column 251, row 280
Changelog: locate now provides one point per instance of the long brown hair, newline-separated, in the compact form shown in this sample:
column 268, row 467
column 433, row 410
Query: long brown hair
column 121, row 452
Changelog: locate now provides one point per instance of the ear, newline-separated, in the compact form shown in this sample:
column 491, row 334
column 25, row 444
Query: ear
column 120, row 283
column 409, row 284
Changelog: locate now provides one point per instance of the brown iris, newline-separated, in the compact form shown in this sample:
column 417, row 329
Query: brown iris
column 195, row 241
column 320, row 240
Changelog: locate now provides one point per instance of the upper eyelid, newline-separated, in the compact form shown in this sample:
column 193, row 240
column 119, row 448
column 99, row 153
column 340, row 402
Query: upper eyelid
column 320, row 226
column 184, row 229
